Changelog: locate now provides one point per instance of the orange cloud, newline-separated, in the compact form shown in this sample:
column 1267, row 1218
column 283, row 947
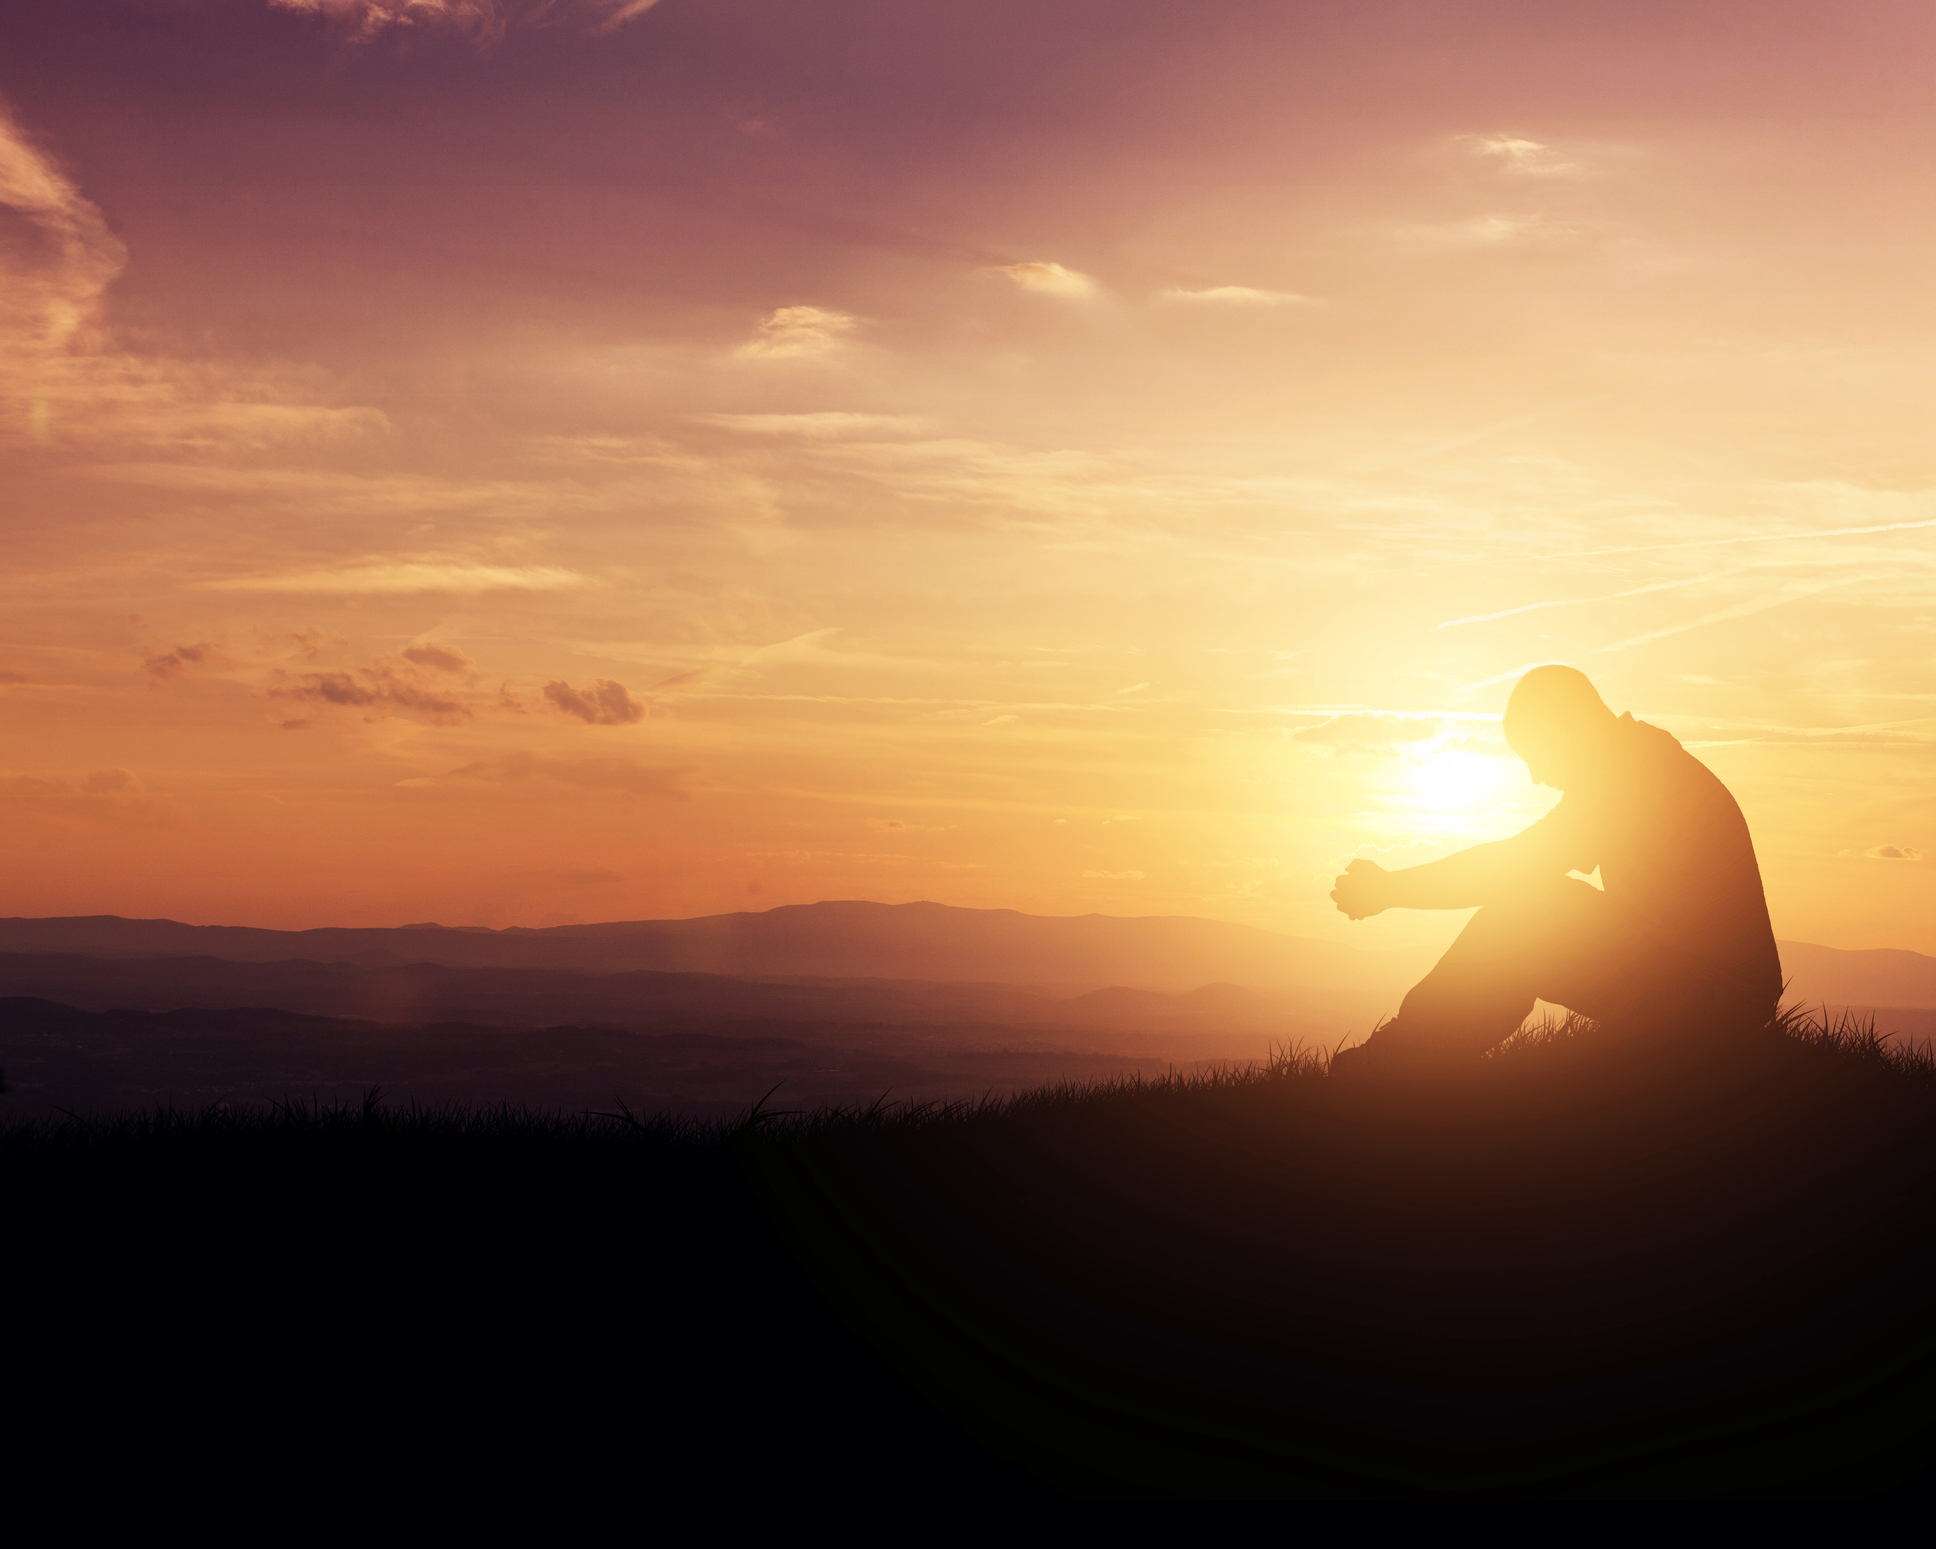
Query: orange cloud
column 1049, row 279
column 172, row 664
column 622, row 775
column 380, row 689
column 792, row 333
column 441, row 658
column 605, row 703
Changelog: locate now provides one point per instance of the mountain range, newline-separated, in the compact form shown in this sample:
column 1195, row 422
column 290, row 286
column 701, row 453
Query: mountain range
column 923, row 942
column 840, row 1000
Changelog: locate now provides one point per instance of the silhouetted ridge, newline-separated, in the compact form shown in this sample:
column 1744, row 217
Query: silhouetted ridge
column 840, row 939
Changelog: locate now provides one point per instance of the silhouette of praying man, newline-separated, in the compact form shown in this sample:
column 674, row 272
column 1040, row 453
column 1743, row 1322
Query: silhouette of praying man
column 1679, row 937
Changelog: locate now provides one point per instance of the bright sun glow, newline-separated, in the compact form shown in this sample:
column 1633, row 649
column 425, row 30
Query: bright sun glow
column 1447, row 781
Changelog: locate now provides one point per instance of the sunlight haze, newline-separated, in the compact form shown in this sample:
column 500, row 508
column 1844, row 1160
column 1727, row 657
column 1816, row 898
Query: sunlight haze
column 533, row 464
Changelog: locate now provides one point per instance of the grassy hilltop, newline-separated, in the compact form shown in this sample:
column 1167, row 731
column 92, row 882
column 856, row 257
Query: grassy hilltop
column 1585, row 1269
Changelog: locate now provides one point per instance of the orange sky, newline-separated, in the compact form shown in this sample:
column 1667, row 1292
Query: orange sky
column 516, row 463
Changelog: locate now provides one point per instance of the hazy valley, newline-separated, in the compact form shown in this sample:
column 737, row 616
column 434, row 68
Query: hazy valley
column 916, row 1002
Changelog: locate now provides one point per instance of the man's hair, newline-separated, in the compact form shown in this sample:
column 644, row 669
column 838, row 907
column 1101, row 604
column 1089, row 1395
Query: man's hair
column 1552, row 698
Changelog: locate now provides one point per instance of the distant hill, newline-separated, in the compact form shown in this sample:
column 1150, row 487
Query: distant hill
column 833, row 940
column 536, row 997
column 1877, row 977
column 835, row 945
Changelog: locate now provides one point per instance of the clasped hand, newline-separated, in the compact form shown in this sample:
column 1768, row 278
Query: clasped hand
column 1363, row 890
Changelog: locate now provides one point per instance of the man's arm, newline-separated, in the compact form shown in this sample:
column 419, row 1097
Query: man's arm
column 1476, row 876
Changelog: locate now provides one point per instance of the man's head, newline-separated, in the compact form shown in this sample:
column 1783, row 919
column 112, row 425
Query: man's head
column 1557, row 721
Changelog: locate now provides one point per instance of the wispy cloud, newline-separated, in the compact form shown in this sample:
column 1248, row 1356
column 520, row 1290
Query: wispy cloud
column 165, row 665
column 485, row 20
column 1373, row 733
column 1237, row 296
column 437, row 657
column 605, row 703
column 1494, row 230
column 1049, row 279
column 1794, row 591
column 1757, row 537
column 112, row 795
column 1574, row 602
column 1500, row 677
column 50, row 294
column 1521, row 157
column 380, row 689
column 822, row 425
column 789, row 333
column 411, row 576
column 624, row 776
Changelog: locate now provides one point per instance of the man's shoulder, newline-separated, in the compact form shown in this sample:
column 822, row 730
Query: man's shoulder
column 1645, row 740
column 1656, row 755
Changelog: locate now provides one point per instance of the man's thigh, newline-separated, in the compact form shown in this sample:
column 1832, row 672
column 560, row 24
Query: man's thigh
column 1589, row 959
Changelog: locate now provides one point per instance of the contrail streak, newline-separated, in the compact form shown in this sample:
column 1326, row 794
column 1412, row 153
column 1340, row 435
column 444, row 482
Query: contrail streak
column 1571, row 602
column 1764, row 537
column 1793, row 592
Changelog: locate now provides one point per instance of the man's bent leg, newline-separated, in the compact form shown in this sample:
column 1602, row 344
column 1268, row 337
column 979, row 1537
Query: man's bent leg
column 1488, row 979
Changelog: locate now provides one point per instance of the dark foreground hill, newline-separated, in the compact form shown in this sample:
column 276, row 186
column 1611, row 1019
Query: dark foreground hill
column 1584, row 1270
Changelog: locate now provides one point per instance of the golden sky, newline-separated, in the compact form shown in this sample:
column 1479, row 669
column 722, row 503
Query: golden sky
column 527, row 463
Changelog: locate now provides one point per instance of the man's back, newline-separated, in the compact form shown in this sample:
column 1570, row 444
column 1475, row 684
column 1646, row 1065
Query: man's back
column 1675, row 857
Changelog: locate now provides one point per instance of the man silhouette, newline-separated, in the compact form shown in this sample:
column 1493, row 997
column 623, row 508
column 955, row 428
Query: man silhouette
column 1679, row 935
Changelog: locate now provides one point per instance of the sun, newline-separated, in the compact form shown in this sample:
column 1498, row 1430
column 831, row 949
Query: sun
column 1448, row 780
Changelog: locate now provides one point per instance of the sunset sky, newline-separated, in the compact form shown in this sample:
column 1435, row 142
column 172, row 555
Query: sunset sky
column 504, row 462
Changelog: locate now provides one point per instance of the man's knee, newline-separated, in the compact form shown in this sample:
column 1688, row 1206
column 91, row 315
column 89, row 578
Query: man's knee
column 1536, row 925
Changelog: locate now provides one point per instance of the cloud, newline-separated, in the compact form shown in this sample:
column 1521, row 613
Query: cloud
column 114, row 794
column 379, row 688
column 790, row 333
column 440, row 658
column 1791, row 592
column 1049, row 279
column 110, row 782
column 172, row 664
column 624, row 775
column 51, row 301
column 485, row 20
column 1373, row 733
column 55, row 355
column 1486, row 747
column 1758, row 537
column 1237, row 296
column 1114, row 876
column 1574, row 602
column 605, row 704
column 411, row 576
column 1497, row 230
column 619, row 12
column 1524, row 158
column 826, row 425
column 1893, row 852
